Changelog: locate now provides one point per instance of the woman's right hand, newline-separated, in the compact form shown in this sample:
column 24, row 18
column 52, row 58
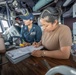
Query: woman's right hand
column 36, row 44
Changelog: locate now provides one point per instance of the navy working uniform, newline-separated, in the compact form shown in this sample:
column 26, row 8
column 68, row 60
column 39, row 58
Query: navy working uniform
column 34, row 35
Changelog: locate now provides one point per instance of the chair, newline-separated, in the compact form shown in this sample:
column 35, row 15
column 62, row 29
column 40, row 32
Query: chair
column 64, row 70
column 2, row 50
column 0, row 63
column 2, row 45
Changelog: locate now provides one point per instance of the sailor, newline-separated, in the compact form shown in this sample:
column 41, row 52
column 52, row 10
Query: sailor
column 30, row 32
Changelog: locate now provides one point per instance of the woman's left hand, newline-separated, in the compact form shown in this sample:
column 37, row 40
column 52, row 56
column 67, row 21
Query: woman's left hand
column 37, row 53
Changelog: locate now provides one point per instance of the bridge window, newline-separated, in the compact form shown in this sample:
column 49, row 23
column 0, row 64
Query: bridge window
column 5, row 24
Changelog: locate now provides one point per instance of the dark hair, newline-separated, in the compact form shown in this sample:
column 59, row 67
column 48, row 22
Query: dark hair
column 52, row 14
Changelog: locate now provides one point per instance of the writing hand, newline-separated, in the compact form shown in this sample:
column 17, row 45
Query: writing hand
column 35, row 44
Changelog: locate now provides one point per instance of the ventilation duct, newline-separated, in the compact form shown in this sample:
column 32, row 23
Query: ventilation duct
column 40, row 4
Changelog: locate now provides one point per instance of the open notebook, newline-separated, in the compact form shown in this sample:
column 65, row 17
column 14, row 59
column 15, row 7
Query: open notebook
column 18, row 55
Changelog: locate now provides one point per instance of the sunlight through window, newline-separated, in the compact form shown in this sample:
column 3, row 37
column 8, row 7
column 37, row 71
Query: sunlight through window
column 5, row 24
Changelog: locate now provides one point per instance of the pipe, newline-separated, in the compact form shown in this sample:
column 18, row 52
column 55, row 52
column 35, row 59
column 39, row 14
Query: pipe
column 8, row 15
column 4, row 2
column 40, row 4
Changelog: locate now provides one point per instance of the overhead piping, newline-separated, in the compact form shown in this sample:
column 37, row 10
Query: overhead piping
column 4, row 2
column 40, row 4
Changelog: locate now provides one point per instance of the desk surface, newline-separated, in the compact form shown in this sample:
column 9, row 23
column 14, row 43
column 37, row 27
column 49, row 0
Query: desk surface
column 34, row 66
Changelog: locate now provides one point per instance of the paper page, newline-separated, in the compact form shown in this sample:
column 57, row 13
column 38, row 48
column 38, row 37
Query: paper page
column 32, row 48
column 22, row 51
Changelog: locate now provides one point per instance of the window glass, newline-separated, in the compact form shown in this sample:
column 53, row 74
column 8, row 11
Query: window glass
column 5, row 24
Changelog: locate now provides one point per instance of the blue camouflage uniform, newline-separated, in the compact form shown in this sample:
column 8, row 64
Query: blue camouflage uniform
column 34, row 35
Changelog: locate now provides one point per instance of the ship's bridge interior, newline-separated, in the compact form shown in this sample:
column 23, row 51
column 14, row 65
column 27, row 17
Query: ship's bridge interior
column 12, row 62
